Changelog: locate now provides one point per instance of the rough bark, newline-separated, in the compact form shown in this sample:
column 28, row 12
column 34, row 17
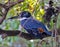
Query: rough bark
column 21, row 34
column 16, row 33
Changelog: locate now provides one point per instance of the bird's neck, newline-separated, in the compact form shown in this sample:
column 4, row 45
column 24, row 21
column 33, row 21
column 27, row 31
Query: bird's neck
column 22, row 18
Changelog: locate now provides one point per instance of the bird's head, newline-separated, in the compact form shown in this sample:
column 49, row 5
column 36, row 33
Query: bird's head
column 23, row 15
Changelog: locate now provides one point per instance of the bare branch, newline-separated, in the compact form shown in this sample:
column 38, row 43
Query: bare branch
column 7, row 8
column 15, row 33
column 2, row 19
column 3, row 15
column 11, row 4
column 22, row 34
column 2, row 5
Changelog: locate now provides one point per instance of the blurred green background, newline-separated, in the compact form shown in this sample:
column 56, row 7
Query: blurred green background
column 34, row 7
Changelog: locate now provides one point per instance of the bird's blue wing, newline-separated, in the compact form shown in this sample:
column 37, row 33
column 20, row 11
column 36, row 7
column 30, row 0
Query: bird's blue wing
column 33, row 24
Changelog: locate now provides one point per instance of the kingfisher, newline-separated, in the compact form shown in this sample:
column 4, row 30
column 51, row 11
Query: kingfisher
column 33, row 26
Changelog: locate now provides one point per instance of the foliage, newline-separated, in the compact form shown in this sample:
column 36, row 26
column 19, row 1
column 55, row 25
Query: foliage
column 28, row 5
column 34, row 7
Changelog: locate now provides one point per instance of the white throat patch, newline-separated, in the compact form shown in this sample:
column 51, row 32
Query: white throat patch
column 22, row 18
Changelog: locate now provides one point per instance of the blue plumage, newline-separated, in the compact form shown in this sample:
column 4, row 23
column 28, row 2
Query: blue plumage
column 33, row 26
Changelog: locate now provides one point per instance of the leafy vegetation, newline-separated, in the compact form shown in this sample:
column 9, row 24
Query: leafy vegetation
column 34, row 7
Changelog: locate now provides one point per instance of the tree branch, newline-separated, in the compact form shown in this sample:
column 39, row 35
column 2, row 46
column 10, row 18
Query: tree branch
column 15, row 33
column 2, row 5
column 11, row 4
column 3, row 15
column 21, row 34
column 7, row 7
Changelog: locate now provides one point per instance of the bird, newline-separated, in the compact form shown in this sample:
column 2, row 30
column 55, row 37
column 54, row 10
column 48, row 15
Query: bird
column 32, row 26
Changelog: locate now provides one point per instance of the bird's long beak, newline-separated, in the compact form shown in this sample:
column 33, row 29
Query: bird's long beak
column 15, row 17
